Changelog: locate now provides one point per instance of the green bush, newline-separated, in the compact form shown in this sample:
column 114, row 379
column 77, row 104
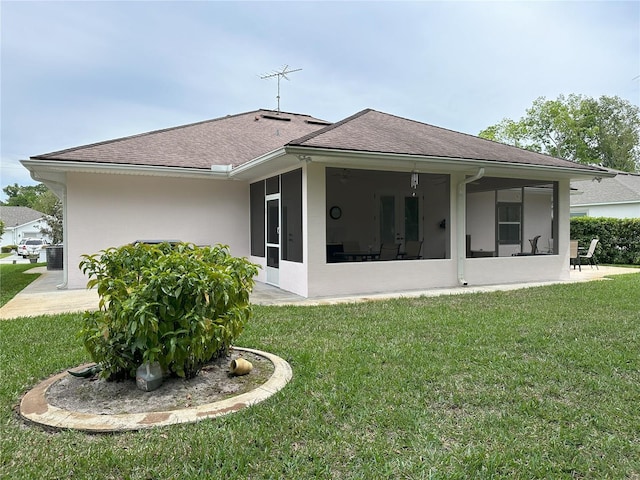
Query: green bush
column 8, row 248
column 180, row 305
column 619, row 238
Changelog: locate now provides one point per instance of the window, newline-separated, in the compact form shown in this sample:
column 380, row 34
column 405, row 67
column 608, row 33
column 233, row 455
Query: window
column 509, row 223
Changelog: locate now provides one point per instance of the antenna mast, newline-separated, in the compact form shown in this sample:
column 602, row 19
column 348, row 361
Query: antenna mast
column 281, row 74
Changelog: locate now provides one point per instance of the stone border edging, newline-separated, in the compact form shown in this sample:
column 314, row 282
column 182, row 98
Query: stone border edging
column 35, row 408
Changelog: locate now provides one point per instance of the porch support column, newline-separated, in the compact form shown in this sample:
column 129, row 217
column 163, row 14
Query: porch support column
column 461, row 224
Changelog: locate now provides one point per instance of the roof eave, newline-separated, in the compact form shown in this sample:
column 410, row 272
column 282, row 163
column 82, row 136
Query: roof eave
column 40, row 165
column 381, row 158
column 261, row 166
column 605, row 204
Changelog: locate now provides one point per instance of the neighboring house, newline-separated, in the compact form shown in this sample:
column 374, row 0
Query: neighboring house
column 19, row 223
column 616, row 197
column 295, row 194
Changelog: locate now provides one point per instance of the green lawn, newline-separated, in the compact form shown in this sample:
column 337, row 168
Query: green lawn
column 13, row 279
column 535, row 383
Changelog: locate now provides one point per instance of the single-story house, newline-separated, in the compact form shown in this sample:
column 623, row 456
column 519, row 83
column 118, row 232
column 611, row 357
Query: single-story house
column 318, row 205
column 614, row 197
column 20, row 223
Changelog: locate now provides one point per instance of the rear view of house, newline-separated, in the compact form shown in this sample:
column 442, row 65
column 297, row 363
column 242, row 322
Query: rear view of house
column 371, row 203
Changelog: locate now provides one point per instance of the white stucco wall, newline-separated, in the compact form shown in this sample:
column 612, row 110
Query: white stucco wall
column 481, row 211
column 620, row 210
column 112, row 210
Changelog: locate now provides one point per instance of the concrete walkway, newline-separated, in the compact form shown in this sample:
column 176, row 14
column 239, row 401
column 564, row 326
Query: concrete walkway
column 42, row 297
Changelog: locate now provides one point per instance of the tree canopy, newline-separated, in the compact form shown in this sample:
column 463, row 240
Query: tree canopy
column 603, row 132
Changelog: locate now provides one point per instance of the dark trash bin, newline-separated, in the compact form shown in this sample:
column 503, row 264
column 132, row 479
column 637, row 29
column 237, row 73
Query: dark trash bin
column 54, row 257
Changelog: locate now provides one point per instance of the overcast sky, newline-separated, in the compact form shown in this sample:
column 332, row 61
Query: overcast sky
column 76, row 72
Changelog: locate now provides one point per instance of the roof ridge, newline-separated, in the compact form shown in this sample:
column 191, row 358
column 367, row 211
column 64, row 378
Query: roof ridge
column 328, row 128
column 454, row 132
column 44, row 156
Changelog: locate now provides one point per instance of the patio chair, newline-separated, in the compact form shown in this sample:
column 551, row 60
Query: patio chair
column 412, row 250
column 389, row 251
column 534, row 244
column 589, row 255
column 574, row 258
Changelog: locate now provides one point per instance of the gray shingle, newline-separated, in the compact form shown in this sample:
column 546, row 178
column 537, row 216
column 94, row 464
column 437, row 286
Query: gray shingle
column 624, row 187
column 234, row 139
column 373, row 131
column 238, row 139
column 12, row 216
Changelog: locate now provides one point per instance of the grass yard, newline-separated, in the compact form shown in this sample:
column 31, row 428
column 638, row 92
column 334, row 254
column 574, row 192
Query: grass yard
column 13, row 279
column 535, row 383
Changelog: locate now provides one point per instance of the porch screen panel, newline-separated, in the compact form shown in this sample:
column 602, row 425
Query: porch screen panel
column 411, row 218
column 291, row 197
column 387, row 219
column 272, row 185
column 257, row 213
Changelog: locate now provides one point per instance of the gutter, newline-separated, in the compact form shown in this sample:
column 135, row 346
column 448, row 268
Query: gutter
column 461, row 219
column 258, row 161
column 459, row 162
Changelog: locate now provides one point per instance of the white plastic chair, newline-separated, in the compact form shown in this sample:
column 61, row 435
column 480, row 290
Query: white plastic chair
column 589, row 255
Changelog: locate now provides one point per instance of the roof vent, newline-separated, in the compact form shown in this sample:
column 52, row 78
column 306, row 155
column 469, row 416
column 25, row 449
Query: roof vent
column 318, row 122
column 275, row 117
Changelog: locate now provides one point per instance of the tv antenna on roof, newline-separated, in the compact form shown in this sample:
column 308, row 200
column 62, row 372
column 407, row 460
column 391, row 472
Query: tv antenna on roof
column 282, row 74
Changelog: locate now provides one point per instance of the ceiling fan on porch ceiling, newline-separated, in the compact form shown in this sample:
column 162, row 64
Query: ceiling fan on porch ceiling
column 343, row 174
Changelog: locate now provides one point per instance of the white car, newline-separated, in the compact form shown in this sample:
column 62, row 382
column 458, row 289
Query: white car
column 30, row 246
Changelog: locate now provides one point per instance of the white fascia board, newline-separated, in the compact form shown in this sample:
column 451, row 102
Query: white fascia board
column 257, row 162
column 380, row 159
column 61, row 166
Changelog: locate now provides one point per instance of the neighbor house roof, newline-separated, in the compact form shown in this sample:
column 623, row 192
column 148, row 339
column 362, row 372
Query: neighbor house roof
column 623, row 188
column 238, row 139
column 17, row 216
column 373, row 131
column 234, row 140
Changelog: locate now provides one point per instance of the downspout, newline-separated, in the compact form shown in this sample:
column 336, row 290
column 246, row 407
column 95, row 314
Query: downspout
column 65, row 257
column 462, row 223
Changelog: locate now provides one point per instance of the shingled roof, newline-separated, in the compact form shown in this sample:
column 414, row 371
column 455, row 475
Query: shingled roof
column 623, row 188
column 234, row 139
column 237, row 139
column 16, row 216
column 373, row 131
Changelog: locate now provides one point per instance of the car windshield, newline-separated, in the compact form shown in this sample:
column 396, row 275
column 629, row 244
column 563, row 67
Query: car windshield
column 34, row 242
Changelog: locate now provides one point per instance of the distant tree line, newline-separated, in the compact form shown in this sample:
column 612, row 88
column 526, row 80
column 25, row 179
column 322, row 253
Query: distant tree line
column 604, row 131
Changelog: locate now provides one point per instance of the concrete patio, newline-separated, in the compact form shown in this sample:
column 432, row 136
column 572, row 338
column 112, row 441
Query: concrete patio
column 42, row 297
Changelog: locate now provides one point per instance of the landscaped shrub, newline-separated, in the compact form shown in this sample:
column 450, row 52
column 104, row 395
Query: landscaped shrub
column 8, row 248
column 180, row 305
column 619, row 238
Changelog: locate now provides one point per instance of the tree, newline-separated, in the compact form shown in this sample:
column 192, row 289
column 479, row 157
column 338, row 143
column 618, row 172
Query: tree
column 25, row 196
column 604, row 131
column 53, row 230
column 1, row 228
